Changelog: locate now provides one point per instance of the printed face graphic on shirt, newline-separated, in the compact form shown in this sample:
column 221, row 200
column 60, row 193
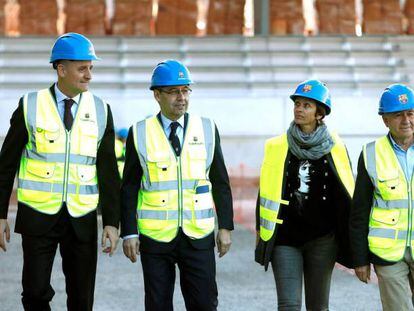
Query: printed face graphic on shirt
column 304, row 176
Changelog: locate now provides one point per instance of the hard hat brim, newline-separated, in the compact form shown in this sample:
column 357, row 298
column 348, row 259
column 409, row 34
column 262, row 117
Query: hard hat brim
column 73, row 59
column 153, row 87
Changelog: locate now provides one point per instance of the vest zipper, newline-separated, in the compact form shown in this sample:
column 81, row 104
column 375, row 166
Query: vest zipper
column 410, row 212
column 180, row 193
column 66, row 170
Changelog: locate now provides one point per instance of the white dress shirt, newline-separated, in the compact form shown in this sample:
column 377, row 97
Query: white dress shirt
column 60, row 97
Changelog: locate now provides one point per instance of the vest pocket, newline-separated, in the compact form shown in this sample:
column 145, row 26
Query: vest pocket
column 389, row 184
column 38, row 188
column 88, row 199
column 197, row 162
column 153, row 213
column 378, row 242
column 155, row 199
column 46, row 138
column 27, row 196
column 384, row 216
column 40, row 169
column 52, row 135
column 88, row 140
column 159, row 167
column 86, row 173
column 86, row 185
column 382, row 234
column 203, row 206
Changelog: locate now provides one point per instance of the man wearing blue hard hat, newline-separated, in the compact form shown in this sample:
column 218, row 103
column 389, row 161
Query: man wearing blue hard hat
column 61, row 143
column 381, row 221
column 174, row 176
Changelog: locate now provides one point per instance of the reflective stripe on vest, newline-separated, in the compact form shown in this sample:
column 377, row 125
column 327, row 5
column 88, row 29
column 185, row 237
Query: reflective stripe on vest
column 164, row 215
column 58, row 165
column 50, row 187
column 271, row 206
column 272, row 174
column 271, row 183
column 390, row 225
column 175, row 191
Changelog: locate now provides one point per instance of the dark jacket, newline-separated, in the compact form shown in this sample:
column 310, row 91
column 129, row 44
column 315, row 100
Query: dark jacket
column 31, row 222
column 131, row 184
column 342, row 199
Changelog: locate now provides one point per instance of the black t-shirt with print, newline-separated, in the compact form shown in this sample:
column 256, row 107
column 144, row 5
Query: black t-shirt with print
column 310, row 213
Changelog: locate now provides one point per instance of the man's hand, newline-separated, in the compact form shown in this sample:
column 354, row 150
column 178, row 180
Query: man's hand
column 110, row 233
column 4, row 232
column 223, row 241
column 131, row 248
column 363, row 273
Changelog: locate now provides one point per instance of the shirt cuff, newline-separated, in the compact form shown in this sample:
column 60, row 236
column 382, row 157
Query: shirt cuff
column 130, row 236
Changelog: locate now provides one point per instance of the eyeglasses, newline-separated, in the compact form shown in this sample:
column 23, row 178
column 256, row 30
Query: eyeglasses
column 176, row 92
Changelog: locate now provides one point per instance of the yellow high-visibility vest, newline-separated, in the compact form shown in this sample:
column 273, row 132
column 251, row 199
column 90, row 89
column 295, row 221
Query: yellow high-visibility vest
column 272, row 174
column 58, row 165
column 175, row 191
column 120, row 155
column 391, row 219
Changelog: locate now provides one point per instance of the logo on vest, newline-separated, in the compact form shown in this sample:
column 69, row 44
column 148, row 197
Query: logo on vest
column 87, row 117
column 403, row 98
column 195, row 141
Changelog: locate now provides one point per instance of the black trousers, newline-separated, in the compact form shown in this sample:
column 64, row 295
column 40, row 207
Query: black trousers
column 197, row 277
column 78, row 264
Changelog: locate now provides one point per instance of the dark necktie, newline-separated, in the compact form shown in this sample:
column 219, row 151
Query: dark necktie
column 67, row 116
column 174, row 140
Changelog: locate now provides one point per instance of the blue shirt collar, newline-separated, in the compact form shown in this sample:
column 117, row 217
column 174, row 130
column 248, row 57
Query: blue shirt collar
column 395, row 145
column 60, row 96
column 167, row 122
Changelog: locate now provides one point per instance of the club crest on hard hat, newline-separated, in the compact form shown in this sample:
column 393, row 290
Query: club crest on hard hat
column 403, row 98
column 307, row 88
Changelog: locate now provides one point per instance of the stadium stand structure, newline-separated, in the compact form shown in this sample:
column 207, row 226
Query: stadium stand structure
column 232, row 65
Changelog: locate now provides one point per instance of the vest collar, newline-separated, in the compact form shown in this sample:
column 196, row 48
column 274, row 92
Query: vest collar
column 160, row 119
column 59, row 96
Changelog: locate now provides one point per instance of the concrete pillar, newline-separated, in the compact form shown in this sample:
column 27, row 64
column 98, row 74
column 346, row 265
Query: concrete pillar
column 261, row 17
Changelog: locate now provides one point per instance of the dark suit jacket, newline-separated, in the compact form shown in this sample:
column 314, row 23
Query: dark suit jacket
column 131, row 184
column 31, row 222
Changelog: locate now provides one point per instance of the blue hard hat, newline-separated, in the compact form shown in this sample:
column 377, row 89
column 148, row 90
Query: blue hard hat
column 396, row 97
column 73, row 46
column 315, row 90
column 122, row 133
column 170, row 72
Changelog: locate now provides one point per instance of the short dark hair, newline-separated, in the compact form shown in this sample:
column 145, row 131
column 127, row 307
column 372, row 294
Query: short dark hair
column 320, row 110
column 56, row 63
